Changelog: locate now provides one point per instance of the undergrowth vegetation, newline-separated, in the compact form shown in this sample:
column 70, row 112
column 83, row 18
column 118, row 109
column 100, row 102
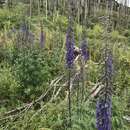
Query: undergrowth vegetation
column 33, row 70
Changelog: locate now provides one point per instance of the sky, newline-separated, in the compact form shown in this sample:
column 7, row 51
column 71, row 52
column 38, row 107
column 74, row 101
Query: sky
column 122, row 1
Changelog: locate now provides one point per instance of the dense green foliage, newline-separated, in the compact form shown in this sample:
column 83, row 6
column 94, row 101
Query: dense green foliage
column 27, row 70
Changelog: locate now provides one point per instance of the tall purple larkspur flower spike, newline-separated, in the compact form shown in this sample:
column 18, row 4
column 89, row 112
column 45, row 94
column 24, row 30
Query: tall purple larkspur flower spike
column 42, row 39
column 84, row 50
column 103, row 115
column 69, row 47
column 104, row 104
column 69, row 62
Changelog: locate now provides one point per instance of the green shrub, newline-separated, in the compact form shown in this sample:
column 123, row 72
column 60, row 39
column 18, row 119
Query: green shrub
column 34, row 68
column 9, row 85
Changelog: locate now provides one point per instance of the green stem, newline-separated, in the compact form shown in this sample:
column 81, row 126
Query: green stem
column 69, row 98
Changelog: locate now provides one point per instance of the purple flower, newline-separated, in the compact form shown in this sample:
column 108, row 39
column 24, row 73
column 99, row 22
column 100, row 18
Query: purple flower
column 103, row 114
column 42, row 39
column 84, row 50
column 69, row 47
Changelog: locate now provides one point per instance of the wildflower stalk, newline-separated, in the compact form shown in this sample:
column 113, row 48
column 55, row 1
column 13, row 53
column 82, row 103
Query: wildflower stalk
column 69, row 98
column 104, row 103
column 103, row 110
column 82, row 89
column 82, row 80
column 69, row 62
column 42, row 37
column 70, row 57
column 77, row 98
column 85, row 58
